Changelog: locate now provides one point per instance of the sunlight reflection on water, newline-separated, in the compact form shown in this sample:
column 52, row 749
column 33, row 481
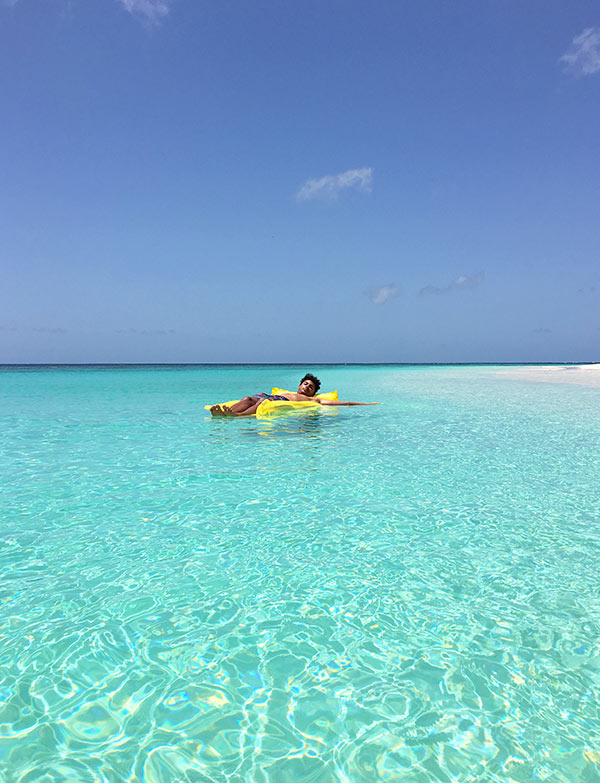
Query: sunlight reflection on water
column 406, row 592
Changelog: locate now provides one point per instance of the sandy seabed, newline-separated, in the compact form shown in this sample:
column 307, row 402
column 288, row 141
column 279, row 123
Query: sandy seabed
column 581, row 374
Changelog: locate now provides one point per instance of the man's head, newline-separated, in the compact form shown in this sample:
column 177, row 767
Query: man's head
column 309, row 385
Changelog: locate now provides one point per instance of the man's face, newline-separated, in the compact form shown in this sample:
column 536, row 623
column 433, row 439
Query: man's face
column 307, row 388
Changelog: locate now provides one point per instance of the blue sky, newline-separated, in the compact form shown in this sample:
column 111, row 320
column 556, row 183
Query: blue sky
column 285, row 181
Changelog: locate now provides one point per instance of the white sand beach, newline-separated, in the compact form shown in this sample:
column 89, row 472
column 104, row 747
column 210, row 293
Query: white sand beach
column 580, row 374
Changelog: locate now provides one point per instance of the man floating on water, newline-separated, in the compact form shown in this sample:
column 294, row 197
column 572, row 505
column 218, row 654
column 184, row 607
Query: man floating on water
column 309, row 386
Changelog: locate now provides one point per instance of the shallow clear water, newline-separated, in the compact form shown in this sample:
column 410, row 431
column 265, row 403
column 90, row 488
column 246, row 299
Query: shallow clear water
column 408, row 592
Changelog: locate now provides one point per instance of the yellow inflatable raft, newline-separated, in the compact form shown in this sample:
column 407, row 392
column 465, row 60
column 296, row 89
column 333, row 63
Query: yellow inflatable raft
column 275, row 407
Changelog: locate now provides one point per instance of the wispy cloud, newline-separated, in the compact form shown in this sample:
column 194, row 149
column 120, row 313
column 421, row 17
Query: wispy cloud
column 583, row 57
column 328, row 188
column 152, row 11
column 461, row 283
column 542, row 330
column 382, row 294
column 132, row 330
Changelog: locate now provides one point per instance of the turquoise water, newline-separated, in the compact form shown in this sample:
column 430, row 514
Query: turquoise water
column 408, row 592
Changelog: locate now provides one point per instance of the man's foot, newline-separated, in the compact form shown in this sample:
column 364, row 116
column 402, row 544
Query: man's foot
column 216, row 410
column 227, row 411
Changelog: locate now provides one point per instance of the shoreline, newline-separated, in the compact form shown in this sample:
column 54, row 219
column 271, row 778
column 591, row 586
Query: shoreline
column 576, row 374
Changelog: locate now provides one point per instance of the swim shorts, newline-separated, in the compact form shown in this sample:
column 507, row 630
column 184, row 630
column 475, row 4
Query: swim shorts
column 262, row 396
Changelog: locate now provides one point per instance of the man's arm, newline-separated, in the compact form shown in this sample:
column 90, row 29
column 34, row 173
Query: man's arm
column 341, row 402
column 295, row 397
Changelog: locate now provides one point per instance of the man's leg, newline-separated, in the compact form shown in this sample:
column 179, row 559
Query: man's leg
column 244, row 405
column 243, row 410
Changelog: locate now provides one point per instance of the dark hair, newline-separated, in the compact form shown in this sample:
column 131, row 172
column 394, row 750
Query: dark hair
column 310, row 377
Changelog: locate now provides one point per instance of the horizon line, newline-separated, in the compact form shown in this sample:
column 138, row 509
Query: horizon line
column 16, row 365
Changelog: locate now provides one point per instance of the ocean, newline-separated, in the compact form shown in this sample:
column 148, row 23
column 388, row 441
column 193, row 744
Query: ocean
column 404, row 592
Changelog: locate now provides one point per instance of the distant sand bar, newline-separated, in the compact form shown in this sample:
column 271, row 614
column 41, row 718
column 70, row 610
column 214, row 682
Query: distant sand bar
column 580, row 374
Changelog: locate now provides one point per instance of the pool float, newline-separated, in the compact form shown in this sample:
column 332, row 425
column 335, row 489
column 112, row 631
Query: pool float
column 276, row 407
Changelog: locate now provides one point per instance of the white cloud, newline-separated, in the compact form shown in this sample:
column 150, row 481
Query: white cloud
column 461, row 283
column 328, row 188
column 150, row 10
column 583, row 58
column 381, row 295
column 467, row 281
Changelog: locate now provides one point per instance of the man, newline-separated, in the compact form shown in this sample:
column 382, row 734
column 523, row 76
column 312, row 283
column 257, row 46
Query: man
column 309, row 386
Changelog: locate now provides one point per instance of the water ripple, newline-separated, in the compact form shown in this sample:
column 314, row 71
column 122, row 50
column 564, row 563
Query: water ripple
column 397, row 594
